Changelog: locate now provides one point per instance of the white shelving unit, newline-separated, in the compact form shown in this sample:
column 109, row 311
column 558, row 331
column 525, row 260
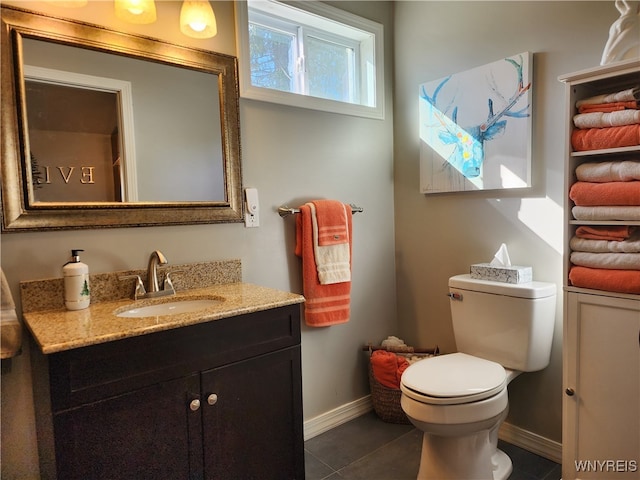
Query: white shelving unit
column 601, row 345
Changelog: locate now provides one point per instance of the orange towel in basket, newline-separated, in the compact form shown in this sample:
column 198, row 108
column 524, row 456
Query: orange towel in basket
column 388, row 368
column 328, row 304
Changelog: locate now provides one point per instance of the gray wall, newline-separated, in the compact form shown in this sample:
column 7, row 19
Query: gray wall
column 291, row 155
column 441, row 235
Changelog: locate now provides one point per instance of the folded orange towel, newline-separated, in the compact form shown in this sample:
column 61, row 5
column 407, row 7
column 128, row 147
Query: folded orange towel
column 388, row 368
column 610, row 137
column 607, row 107
column 609, row 193
column 325, row 305
column 614, row 232
column 332, row 222
column 622, row 281
column 331, row 240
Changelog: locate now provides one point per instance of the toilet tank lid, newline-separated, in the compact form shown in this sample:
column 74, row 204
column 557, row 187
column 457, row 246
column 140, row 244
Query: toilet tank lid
column 523, row 290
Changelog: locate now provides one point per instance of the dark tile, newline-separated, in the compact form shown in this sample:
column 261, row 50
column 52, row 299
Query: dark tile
column 335, row 476
column 398, row 460
column 353, row 440
column 525, row 462
column 555, row 473
column 518, row 475
column 368, row 448
column 315, row 469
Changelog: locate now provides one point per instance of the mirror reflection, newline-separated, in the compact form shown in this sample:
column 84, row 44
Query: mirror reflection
column 106, row 129
column 82, row 150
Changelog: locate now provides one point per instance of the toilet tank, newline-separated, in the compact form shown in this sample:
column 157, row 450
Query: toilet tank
column 511, row 324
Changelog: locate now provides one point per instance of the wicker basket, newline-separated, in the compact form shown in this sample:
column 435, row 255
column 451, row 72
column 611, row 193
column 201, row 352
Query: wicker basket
column 386, row 401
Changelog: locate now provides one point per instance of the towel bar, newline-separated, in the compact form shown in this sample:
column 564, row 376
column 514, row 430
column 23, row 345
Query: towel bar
column 284, row 210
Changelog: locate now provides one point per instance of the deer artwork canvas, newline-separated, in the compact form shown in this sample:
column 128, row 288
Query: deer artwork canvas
column 475, row 128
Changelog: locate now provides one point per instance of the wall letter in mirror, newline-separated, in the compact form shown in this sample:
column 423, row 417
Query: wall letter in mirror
column 104, row 129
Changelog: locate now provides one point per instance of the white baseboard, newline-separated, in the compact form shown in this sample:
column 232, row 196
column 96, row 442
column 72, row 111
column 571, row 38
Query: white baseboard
column 517, row 436
column 531, row 442
column 337, row 416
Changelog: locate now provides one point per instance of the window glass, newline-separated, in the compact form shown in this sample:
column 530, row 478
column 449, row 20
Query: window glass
column 330, row 70
column 272, row 54
column 311, row 55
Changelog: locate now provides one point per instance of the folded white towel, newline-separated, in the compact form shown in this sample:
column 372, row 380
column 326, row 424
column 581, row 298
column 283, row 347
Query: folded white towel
column 333, row 262
column 606, row 119
column 621, row 171
column 631, row 245
column 628, row 95
column 610, row 261
column 606, row 213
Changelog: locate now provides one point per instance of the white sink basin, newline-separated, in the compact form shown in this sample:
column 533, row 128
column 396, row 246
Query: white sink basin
column 169, row 308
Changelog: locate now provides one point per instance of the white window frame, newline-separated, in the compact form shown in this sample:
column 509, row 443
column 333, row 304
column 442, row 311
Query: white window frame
column 374, row 83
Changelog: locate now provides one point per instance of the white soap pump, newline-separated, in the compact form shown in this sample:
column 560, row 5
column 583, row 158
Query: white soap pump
column 76, row 283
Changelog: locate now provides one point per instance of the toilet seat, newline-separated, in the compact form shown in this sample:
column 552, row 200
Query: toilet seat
column 453, row 379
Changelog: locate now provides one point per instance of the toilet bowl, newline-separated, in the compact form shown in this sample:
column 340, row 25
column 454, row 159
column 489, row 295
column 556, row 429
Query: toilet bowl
column 459, row 400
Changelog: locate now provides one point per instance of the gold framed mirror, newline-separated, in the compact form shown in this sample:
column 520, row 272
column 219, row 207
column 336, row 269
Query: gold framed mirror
column 82, row 132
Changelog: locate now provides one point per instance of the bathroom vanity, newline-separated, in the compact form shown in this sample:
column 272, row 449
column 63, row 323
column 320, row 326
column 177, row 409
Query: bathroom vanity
column 210, row 394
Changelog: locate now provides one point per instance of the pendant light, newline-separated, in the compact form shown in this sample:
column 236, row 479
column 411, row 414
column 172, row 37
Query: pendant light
column 197, row 19
column 136, row 11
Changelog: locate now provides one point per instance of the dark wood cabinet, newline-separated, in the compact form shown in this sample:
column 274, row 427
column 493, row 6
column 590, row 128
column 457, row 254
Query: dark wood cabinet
column 217, row 400
column 249, row 397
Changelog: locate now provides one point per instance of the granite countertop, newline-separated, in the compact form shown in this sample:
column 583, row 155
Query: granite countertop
column 58, row 330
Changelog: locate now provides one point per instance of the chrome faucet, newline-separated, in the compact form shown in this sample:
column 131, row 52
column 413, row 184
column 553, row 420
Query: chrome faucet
column 156, row 258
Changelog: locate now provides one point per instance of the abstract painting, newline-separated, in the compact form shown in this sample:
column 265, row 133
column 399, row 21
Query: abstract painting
column 475, row 128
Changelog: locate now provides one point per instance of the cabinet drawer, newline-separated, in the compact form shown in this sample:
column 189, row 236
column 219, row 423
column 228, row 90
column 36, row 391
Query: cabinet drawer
column 91, row 373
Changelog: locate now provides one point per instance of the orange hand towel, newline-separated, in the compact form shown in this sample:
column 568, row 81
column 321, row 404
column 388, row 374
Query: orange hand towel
column 331, row 240
column 622, row 281
column 325, row 305
column 610, row 137
column 609, row 193
column 617, row 233
column 388, row 368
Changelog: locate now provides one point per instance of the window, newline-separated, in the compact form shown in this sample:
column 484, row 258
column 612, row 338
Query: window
column 310, row 55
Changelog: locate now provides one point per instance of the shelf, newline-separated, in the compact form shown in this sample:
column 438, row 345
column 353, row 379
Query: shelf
column 590, row 291
column 604, row 222
column 606, row 152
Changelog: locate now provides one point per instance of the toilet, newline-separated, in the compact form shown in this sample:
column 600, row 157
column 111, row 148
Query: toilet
column 459, row 400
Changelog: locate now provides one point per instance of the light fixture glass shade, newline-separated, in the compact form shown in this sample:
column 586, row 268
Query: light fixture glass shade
column 136, row 11
column 197, row 19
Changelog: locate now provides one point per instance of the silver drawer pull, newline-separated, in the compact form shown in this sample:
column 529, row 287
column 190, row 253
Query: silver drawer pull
column 212, row 399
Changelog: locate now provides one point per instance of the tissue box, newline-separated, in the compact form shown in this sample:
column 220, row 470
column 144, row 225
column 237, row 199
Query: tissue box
column 511, row 274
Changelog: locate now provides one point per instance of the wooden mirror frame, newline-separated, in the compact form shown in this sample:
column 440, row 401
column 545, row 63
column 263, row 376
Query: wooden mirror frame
column 18, row 215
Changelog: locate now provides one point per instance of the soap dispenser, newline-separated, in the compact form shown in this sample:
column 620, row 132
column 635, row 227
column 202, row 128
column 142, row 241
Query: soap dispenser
column 76, row 283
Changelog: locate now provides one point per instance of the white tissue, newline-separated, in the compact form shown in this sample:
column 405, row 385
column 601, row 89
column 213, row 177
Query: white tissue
column 501, row 257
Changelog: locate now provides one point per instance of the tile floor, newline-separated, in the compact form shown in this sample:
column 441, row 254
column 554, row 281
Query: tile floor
column 368, row 448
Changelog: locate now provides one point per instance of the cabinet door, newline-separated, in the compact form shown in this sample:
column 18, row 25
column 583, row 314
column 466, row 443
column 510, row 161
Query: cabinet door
column 144, row 434
column 601, row 437
column 253, row 430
